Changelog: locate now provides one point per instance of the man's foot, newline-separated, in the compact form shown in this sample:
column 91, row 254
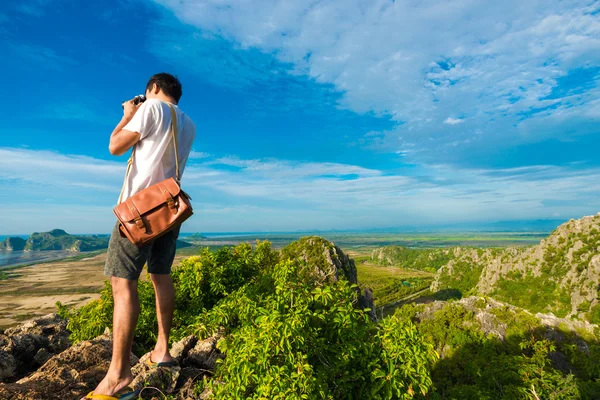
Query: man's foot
column 160, row 357
column 111, row 386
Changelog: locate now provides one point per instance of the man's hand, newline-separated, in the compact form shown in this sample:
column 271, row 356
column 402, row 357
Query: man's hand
column 129, row 109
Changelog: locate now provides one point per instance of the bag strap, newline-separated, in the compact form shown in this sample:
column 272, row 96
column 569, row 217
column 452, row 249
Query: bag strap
column 174, row 132
column 175, row 145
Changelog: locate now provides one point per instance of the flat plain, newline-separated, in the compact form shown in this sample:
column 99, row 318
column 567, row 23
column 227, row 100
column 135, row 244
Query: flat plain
column 34, row 290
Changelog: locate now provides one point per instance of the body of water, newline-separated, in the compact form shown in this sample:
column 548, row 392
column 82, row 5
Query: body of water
column 11, row 258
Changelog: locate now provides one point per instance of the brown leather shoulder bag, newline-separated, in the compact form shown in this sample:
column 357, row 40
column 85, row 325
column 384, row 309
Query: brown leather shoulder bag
column 154, row 211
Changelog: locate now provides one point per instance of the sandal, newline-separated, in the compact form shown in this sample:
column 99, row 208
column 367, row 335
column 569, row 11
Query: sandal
column 124, row 396
column 168, row 364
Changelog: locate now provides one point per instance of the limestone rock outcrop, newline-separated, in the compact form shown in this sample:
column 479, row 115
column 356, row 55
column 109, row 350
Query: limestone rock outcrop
column 70, row 372
column 68, row 375
column 26, row 347
column 323, row 261
column 494, row 318
column 561, row 275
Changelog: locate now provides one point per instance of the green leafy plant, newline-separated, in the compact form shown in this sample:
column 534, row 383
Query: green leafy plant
column 289, row 333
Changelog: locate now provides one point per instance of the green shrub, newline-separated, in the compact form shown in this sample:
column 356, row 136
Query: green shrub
column 298, row 340
column 464, row 277
column 90, row 320
column 289, row 336
column 200, row 282
column 477, row 366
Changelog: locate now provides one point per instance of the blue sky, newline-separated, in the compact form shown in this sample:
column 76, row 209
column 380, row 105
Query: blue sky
column 311, row 114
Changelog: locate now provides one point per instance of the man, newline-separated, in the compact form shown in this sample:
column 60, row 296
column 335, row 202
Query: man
column 147, row 127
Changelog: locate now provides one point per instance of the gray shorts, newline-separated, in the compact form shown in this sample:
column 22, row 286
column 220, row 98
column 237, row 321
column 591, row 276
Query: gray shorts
column 125, row 260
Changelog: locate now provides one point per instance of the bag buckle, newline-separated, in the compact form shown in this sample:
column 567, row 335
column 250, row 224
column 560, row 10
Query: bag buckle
column 140, row 224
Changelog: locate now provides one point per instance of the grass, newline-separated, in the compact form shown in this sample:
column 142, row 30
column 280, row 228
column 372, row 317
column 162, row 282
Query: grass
column 5, row 275
column 390, row 284
column 24, row 317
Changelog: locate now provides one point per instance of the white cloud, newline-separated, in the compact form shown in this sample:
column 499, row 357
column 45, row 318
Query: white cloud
column 54, row 168
column 491, row 62
column 453, row 121
column 71, row 178
column 194, row 155
column 289, row 169
column 284, row 195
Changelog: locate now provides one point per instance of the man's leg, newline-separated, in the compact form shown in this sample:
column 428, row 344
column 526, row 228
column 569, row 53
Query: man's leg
column 165, row 304
column 124, row 263
column 160, row 261
column 125, row 316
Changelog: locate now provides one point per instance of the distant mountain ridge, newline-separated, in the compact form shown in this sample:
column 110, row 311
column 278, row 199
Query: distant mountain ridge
column 58, row 239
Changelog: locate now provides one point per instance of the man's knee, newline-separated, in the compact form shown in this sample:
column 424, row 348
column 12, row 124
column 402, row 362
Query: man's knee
column 123, row 287
column 159, row 279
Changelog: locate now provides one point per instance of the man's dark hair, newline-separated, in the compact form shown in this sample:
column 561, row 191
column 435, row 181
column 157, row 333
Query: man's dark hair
column 168, row 83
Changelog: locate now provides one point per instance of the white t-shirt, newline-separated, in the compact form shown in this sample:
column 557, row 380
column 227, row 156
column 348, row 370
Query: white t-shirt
column 154, row 158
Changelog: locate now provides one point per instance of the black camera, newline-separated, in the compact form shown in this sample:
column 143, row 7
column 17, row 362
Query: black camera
column 136, row 100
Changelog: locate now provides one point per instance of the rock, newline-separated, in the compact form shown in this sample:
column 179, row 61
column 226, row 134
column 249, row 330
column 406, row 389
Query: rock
column 199, row 363
column 8, row 365
column 32, row 343
column 204, row 355
column 485, row 312
column 154, row 380
column 323, row 260
column 206, row 394
column 366, row 300
column 180, row 349
column 567, row 261
column 490, row 325
column 42, row 356
column 78, row 369
column 188, row 379
column 71, row 374
column 25, row 347
column 68, row 375
column 51, row 326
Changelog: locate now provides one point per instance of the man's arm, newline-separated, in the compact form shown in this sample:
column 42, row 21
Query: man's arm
column 121, row 139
